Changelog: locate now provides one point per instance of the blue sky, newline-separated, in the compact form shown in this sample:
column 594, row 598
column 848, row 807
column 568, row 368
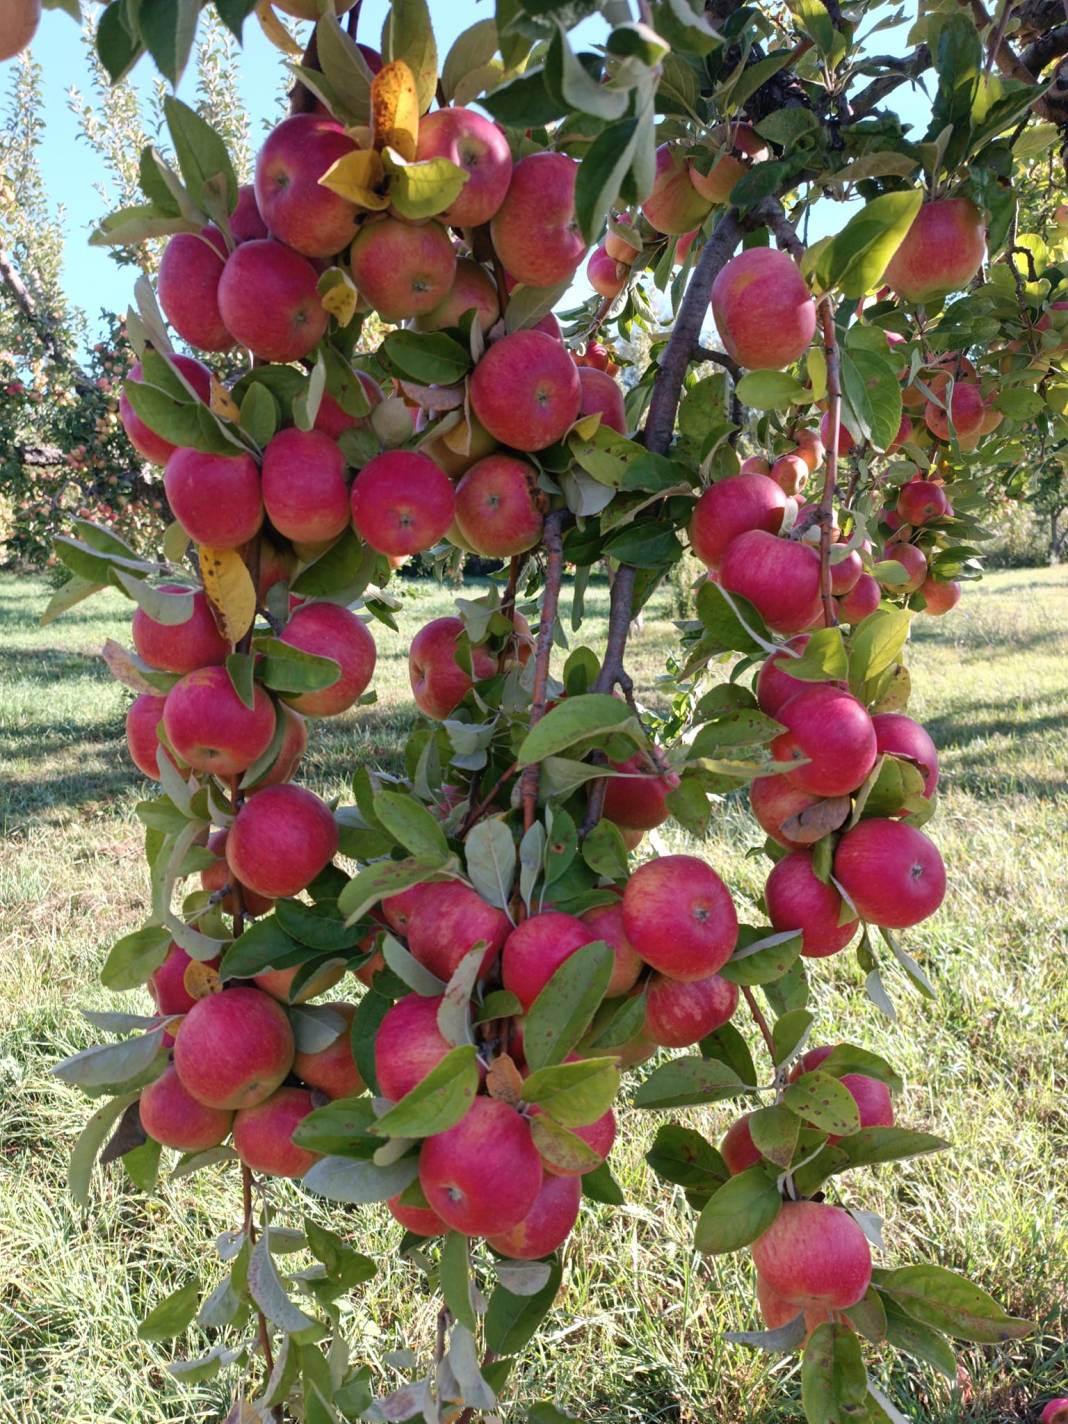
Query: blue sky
column 71, row 168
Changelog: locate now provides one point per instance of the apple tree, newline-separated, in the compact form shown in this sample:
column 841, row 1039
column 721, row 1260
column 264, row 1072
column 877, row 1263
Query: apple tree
column 819, row 419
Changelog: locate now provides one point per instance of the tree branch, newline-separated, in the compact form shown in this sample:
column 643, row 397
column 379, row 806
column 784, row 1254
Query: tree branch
column 759, row 1019
column 550, row 599
column 718, row 358
column 1045, row 49
column 902, row 71
column 43, row 324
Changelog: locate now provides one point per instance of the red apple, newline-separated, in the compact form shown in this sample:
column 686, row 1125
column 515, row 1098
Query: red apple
column 171, row 1115
column 832, row 731
column 606, row 922
column 143, row 717
column 299, row 211
column 892, row 873
column 679, row 916
column 548, row 1223
column 439, row 683
column 845, row 574
column 188, row 288
column 397, row 910
column 735, row 143
column 180, row 647
column 402, row 269
column 419, row 1220
column 678, row 1014
column 217, row 877
column 330, row 631
column 536, row 949
column 605, row 275
column 815, row 1254
column 479, row 147
column 408, row 1045
column 780, row 577
column 526, row 390
column 294, row 743
column 774, row 801
column 863, row 598
column 233, row 1049
column 279, row 982
column 900, row 736
column 246, row 224
column 763, row 309
column 269, row 299
column 637, row 801
column 921, row 500
column 209, row 726
column 497, row 507
column 732, row 507
column 535, row 233
column 674, row 206
column 912, row 560
column 599, row 1135
column 872, row 1098
column 774, row 686
column 790, row 472
column 778, row 1311
column 141, row 436
column 281, row 838
column 402, row 503
column 263, row 1134
column 215, row 498
column 967, row 408
column 940, row 595
column 473, row 289
column 304, row 489
column 600, row 393
column 482, row 1176
column 798, row 900
column 333, row 420
column 810, row 448
column 845, row 438
column 167, row 983
column 738, row 1149
column 450, row 919
column 941, row 252
column 1056, row 1411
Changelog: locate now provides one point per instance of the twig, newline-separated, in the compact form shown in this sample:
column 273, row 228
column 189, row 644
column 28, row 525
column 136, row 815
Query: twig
column 44, row 324
column 830, row 474
column 718, row 358
column 550, row 599
column 352, row 20
column 476, row 812
column 759, row 1019
column 261, row 1320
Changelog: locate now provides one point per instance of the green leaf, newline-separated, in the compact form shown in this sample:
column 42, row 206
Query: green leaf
column 66, row 596
column 431, row 358
column 562, row 1011
column 264, row 945
column 421, row 189
column 345, row 68
column 569, row 79
column 731, row 622
column 472, row 48
column 873, row 391
column 287, row 669
column 683, row 1156
column 737, row 1213
column 774, row 1132
column 604, row 166
column 576, row 719
column 346, row 567
column 727, row 1045
column 167, row 28
column 762, row 956
column 824, row 658
column 259, row 413
column 133, row 958
column 834, row 1382
column 90, row 1140
column 408, row 34
column 574, row 1094
column 948, row 1302
column 266, row 1289
column 385, row 877
column 848, row 1058
column 817, row 23
column 875, row 644
column 684, row 1082
column 436, row 1103
column 771, row 390
column 888, row 1144
column 527, row 305
column 525, row 102
column 958, row 60
column 824, row 1102
column 854, row 261
column 411, row 824
column 109, row 1065
column 456, row 1278
column 789, row 1033
column 201, row 154
column 116, row 44
column 172, row 1315
column 605, row 851
column 647, row 544
column 340, row 1129
column 917, row 1340
column 490, row 853
column 318, row 926
column 512, row 1320
column 600, row 1186
column 359, row 1182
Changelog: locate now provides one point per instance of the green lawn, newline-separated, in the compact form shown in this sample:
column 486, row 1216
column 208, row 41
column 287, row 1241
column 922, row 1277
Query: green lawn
column 636, row 1335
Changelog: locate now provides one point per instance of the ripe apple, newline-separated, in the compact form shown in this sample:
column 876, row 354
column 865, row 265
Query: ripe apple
column 294, row 743
column 674, row 205
column 940, row 595
column 536, row 949
column 601, row 393
column 810, row 448
column 217, row 877
column 1056, row 1411
column 620, row 248
column 548, row 1223
column 778, row 1311
column 680, row 917
column 892, row 873
column 730, row 141
column 171, row 1115
column 606, row 922
column 941, row 252
column 780, row 577
column 479, row 147
column 732, row 507
column 402, row 269
column 863, row 598
column 263, row 1134
column 790, row 472
column 497, row 509
column 141, row 436
column 333, row 420
column 330, row 631
column 233, row 1049
column 297, row 209
column 419, row 1220
column 814, row 1254
column 304, row 489
column 845, row 574
column 798, row 900
column 187, row 285
column 279, row 982
column 281, row 838
column 739, row 1151
column 269, row 299
column 180, row 647
column 774, row 801
column 525, row 390
column 167, row 983
column 473, row 289
column 402, row 503
column 912, row 560
column 483, row 1175
column 143, row 717
column 754, row 465
column 408, row 1045
column 678, row 1014
column 872, row 1098
column 450, row 919
column 967, row 408
column 246, row 224
column 215, row 498
column 209, row 726
column 845, row 438
column 904, row 433
column 900, row 736
column 605, row 275
column 599, row 1134
column 830, row 729
column 535, row 232
column 637, row 801
column 774, row 687
column 439, row 683
column 18, row 25
column 763, row 309
column 397, row 910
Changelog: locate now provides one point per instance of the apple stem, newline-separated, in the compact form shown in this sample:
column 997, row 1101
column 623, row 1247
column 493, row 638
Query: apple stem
column 554, row 547
column 830, row 474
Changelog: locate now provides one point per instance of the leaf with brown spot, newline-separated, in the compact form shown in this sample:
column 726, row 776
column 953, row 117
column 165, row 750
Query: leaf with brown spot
column 200, row 979
column 815, row 822
column 229, row 588
column 503, row 1081
column 222, row 403
column 395, row 109
column 562, row 1148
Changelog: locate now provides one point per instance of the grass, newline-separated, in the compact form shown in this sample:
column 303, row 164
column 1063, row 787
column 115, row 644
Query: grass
column 636, row 1335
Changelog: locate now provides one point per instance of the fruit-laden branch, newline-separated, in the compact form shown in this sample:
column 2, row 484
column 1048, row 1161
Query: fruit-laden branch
column 554, row 569
column 830, row 466
column 901, row 71
column 44, row 324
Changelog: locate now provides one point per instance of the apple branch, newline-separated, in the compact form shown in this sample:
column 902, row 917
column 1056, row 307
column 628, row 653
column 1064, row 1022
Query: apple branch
column 830, row 470
column 759, row 1019
column 550, row 599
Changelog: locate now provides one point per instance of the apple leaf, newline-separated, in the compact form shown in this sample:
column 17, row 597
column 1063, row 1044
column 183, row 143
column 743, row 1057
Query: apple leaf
column 737, row 1213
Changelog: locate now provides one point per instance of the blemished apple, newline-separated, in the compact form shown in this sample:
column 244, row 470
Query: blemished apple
column 832, row 731
column 1056, row 1411
column 180, row 647
column 304, row 489
column 738, row 1149
column 167, row 983
column 773, row 801
column 296, row 207
column 900, row 736
column 678, row 1014
column 233, row 1049
column 680, row 917
column 483, row 1175
column 294, row 743
column 790, row 473
column 606, row 922
column 279, row 982
column 419, row 1220
column 798, row 900
column 269, row 299
column 734, row 143
column 171, row 1115
column 187, row 285
column 141, row 436
column 402, row 269
column 215, row 498
column 605, row 275
column 637, row 801
column 209, row 726
column 448, row 921
column 333, row 420
column 497, row 507
column 814, row 1254
column 397, row 910
column 218, row 876
column 921, row 500
column 892, row 873
column 547, row 1224
column 912, row 560
column 281, row 838
column 402, row 503
column 475, row 144
column 535, row 950
column 525, row 390
column 439, row 683
column 601, row 394
column 674, row 205
column 780, row 577
column 940, row 253
column 732, row 507
column 939, row 595
column 263, row 1134
column 473, row 289
column 863, row 598
column 143, row 717
column 408, row 1045
column 535, row 232
column 330, row 631
column 763, row 309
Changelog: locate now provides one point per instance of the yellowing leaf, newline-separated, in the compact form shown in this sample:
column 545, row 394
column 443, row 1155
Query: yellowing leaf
column 395, row 109
column 200, row 979
column 276, row 32
column 421, row 190
column 503, row 1080
column 359, row 177
column 339, row 295
column 222, row 404
column 228, row 585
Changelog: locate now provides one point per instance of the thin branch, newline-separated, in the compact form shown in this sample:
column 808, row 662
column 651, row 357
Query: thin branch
column 477, row 812
column 830, row 474
column 901, row 71
column 44, row 324
column 759, row 1019
column 550, row 599
column 718, row 358
column 1045, row 49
